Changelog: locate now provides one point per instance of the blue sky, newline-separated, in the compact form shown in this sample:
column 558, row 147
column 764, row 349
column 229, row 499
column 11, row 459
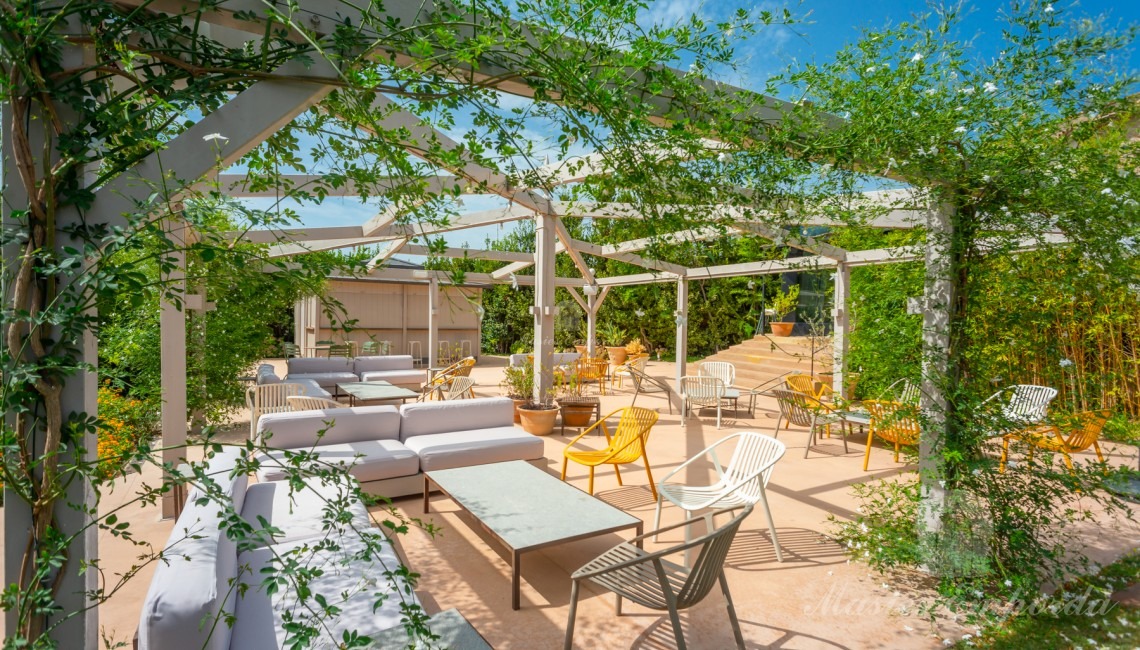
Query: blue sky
column 825, row 28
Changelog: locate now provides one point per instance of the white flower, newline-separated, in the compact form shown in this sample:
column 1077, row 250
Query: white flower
column 967, row 637
column 1065, row 363
column 870, row 69
column 907, row 628
column 1057, row 82
column 930, row 91
column 968, row 90
column 1106, row 191
column 987, row 178
column 947, row 642
column 916, row 58
column 514, row 282
column 960, row 129
column 214, row 136
column 989, row 87
column 639, row 313
column 1048, row 9
column 1009, row 583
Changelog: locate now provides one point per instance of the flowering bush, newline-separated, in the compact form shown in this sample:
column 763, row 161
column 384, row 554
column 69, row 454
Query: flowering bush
column 635, row 347
column 124, row 424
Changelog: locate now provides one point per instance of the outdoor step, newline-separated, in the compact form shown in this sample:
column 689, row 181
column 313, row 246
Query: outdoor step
column 767, row 361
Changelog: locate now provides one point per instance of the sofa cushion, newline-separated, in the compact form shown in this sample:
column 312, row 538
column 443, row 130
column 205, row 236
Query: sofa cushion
column 299, row 428
column 426, row 418
column 220, row 469
column 191, row 591
column 326, row 380
column 368, row 460
column 302, row 513
column 346, row 582
column 267, row 375
column 314, row 365
column 311, row 388
column 479, row 447
column 394, row 362
column 395, row 377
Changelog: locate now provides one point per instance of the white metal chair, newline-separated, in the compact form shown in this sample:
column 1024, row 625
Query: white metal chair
column 306, row 403
column 1027, row 405
column 700, row 392
column 726, row 372
column 652, row 581
column 903, row 391
column 460, row 388
column 269, row 398
column 622, row 371
column 465, row 348
column 415, row 349
column 741, row 482
column 643, row 383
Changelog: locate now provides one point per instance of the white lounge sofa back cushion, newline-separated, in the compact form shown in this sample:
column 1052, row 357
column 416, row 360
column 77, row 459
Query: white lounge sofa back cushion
column 299, row 429
column 394, row 362
column 189, row 599
column 314, row 366
column 427, row 418
column 220, row 469
column 267, row 375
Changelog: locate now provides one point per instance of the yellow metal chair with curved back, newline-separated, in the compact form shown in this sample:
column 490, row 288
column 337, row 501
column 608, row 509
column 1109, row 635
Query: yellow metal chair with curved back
column 1085, row 434
column 626, row 445
column 893, row 422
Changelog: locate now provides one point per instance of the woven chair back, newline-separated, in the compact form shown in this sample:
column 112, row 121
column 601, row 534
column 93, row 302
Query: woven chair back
column 894, row 421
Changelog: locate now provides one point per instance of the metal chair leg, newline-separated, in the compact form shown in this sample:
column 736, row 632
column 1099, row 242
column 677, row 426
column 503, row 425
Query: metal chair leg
column 771, row 524
column 569, row 642
column 657, row 517
column 731, row 612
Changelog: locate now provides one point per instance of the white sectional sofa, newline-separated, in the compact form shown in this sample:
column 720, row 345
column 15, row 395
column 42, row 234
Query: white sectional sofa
column 397, row 370
column 267, row 375
column 197, row 586
column 390, row 448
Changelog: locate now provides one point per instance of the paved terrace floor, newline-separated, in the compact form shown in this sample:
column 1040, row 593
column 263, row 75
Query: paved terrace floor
column 815, row 598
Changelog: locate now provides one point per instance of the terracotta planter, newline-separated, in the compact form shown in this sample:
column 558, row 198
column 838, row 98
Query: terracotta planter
column 518, row 403
column 582, row 349
column 617, row 354
column 781, row 329
column 538, row 422
column 577, row 414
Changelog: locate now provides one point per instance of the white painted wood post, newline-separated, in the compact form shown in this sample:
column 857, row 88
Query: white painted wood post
column 937, row 304
column 840, row 339
column 682, row 319
column 172, row 346
column 591, row 322
column 433, row 324
column 544, row 309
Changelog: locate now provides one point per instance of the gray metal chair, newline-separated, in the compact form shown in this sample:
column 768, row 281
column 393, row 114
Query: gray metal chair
column 904, row 391
column 652, row 581
column 643, row 383
column 806, row 411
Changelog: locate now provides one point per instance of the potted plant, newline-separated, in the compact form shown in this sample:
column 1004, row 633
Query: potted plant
column 537, row 418
column 635, row 347
column 784, row 303
column 577, row 411
column 580, row 347
column 614, row 337
column 518, row 384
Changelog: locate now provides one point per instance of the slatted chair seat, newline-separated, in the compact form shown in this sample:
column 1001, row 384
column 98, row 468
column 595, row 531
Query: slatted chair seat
column 699, row 392
column 626, row 445
column 1084, row 433
column 643, row 383
column 804, row 410
column 654, row 581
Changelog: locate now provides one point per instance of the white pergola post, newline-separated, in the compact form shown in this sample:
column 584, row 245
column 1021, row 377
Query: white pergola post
column 172, row 352
column 78, row 395
column 682, row 319
column 842, row 324
column 591, row 322
column 937, row 304
column 433, row 324
column 544, row 310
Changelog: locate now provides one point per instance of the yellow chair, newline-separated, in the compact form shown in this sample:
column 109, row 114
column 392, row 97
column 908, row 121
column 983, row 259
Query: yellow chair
column 592, row 370
column 442, row 380
column 893, row 422
column 625, row 446
column 808, row 385
column 1085, row 434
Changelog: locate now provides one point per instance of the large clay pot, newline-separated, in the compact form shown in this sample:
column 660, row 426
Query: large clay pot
column 577, row 414
column 617, row 354
column 518, row 403
column 538, row 422
column 582, row 349
column 782, row 329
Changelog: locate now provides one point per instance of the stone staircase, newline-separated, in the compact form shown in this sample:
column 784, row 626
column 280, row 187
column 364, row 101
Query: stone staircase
column 765, row 358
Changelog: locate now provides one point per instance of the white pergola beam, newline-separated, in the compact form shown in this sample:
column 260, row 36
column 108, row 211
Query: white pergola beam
column 239, row 185
column 629, row 258
column 466, row 253
column 387, row 250
column 795, row 240
column 296, row 235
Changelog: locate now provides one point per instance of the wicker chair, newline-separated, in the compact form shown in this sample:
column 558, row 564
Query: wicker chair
column 643, row 383
column 652, row 581
column 625, row 446
column 701, row 392
column 893, row 422
column 460, row 388
column 306, row 403
column 804, row 410
column 268, row 398
column 442, row 379
column 1085, row 434
column 592, row 370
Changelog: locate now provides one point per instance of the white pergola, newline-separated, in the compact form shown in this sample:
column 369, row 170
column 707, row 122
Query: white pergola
column 275, row 100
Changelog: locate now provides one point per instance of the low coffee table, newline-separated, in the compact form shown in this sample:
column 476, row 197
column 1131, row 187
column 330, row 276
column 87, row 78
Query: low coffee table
column 370, row 391
column 526, row 509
